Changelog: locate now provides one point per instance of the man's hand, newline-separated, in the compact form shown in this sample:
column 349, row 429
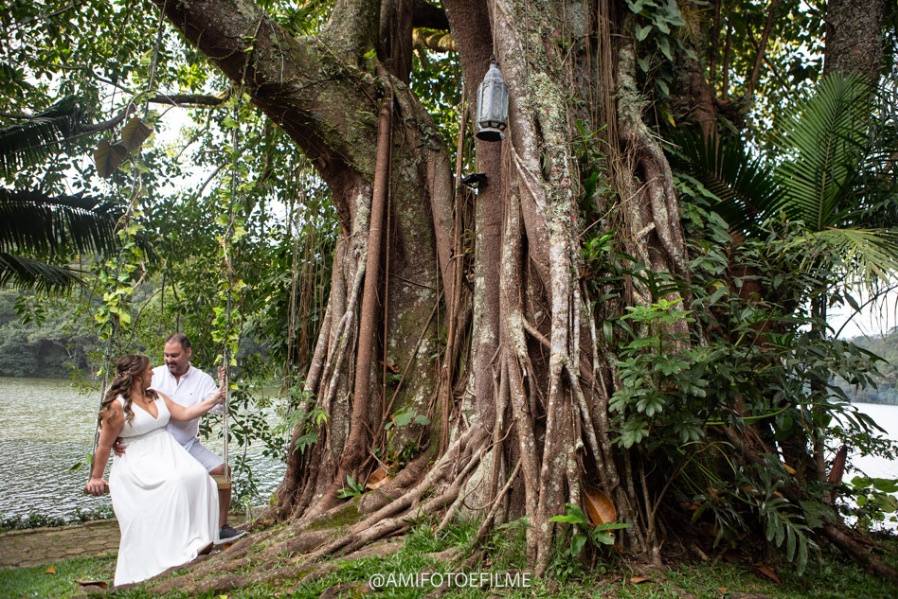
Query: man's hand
column 118, row 447
column 222, row 384
column 96, row 487
column 217, row 397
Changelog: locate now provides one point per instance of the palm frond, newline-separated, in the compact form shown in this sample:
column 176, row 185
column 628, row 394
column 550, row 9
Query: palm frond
column 35, row 223
column 871, row 254
column 26, row 273
column 742, row 182
column 30, row 142
column 823, row 149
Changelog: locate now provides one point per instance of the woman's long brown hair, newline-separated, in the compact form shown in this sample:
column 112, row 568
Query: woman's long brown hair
column 127, row 369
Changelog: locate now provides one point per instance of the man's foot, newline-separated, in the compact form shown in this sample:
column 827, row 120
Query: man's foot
column 229, row 535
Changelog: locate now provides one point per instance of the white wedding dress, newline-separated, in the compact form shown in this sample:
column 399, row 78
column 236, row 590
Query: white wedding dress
column 165, row 502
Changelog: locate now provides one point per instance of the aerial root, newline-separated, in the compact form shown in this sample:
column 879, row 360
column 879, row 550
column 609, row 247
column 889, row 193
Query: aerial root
column 859, row 550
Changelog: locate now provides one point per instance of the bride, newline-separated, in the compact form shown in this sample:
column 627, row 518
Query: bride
column 165, row 502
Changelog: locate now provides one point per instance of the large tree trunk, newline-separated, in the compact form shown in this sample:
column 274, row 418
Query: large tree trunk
column 528, row 409
column 854, row 37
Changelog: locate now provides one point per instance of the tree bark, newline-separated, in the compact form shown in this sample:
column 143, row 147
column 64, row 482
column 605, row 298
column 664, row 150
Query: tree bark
column 533, row 422
column 854, row 41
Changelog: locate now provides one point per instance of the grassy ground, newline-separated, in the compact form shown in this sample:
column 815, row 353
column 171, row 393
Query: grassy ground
column 59, row 579
column 421, row 552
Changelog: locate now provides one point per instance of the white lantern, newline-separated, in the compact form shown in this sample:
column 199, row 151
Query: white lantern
column 492, row 105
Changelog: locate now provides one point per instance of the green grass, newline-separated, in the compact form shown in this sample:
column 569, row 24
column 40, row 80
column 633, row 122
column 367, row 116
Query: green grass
column 42, row 581
column 831, row 577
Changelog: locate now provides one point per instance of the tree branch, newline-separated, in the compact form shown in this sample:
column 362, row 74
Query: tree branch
column 302, row 84
column 762, row 48
column 109, row 123
column 352, row 27
column 195, row 100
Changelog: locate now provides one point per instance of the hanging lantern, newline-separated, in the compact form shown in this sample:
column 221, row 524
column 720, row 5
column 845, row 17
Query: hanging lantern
column 492, row 105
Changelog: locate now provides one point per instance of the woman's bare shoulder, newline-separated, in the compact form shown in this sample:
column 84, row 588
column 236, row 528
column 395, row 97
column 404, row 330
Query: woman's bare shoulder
column 114, row 412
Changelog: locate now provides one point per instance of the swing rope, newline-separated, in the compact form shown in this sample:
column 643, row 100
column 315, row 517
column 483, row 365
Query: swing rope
column 136, row 189
column 224, row 480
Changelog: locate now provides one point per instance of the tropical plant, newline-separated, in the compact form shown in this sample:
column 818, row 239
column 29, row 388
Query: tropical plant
column 583, row 534
column 30, row 141
column 830, row 171
column 40, row 233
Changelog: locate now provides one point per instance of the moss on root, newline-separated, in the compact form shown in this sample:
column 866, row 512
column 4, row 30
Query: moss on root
column 347, row 515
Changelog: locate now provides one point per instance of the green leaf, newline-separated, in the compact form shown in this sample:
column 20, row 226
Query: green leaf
column 636, row 6
column 403, row 418
column 305, row 441
column 886, row 485
column 572, row 515
column 664, row 46
column 861, row 482
column 642, row 32
column 633, row 432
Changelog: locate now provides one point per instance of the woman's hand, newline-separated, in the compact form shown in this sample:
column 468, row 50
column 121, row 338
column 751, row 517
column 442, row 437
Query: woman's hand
column 96, row 486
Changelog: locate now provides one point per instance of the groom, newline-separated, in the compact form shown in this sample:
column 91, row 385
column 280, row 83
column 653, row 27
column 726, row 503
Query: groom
column 187, row 385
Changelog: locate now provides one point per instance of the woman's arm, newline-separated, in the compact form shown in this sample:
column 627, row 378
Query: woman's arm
column 182, row 414
column 110, row 427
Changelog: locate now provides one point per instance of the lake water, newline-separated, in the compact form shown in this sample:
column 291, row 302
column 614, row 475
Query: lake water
column 885, row 416
column 46, row 426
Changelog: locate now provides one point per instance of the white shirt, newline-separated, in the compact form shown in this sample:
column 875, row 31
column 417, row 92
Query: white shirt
column 193, row 387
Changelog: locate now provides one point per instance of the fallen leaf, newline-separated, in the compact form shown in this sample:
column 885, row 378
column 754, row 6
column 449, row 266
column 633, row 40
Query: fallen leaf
column 638, row 579
column 767, row 572
column 378, row 484
column 376, row 478
column 790, row 469
column 51, row 569
column 599, row 507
